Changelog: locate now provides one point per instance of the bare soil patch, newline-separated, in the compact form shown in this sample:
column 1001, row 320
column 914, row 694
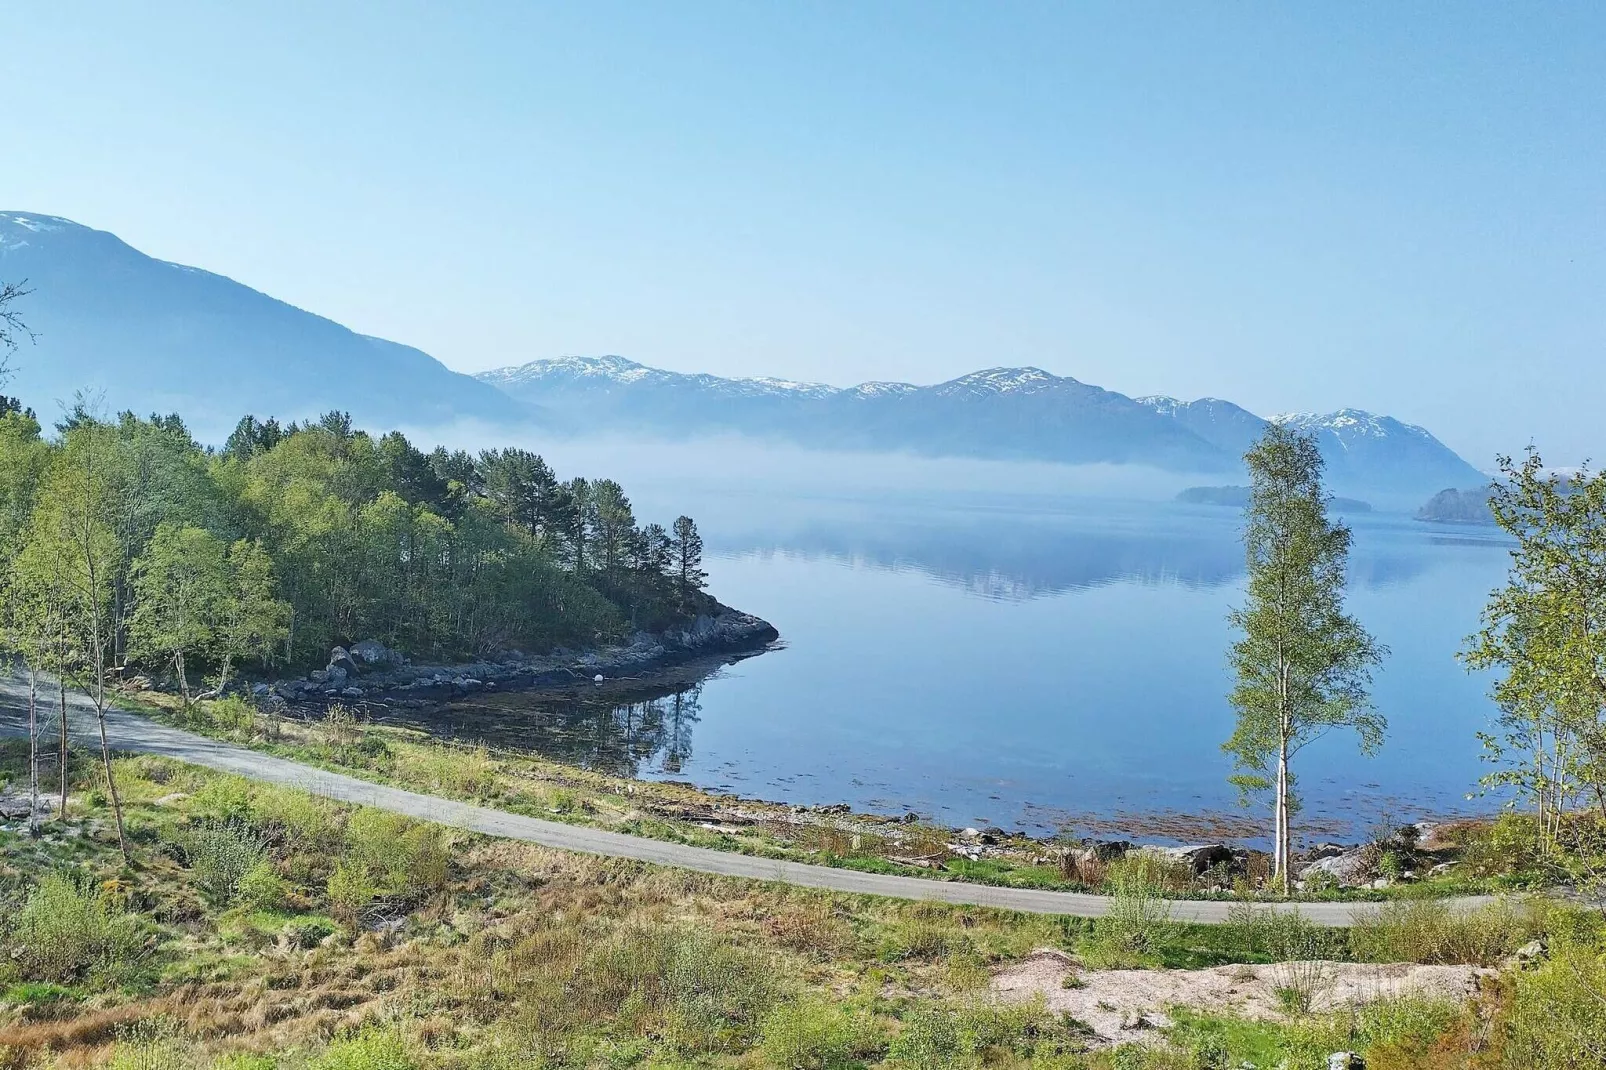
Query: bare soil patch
column 1125, row 1005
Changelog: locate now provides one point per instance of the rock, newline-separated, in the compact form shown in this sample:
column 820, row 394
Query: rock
column 318, row 676
column 14, row 808
column 911, row 818
column 1529, row 954
column 351, row 692
column 1443, row 868
column 1351, row 868
column 1345, row 1060
column 1380, row 883
column 335, row 677
column 1325, row 850
column 597, row 678
column 1197, row 857
column 970, row 834
column 339, row 658
column 371, row 652
column 1103, row 850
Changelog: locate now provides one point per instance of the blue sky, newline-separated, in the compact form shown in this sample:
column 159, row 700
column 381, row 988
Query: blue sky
column 1397, row 207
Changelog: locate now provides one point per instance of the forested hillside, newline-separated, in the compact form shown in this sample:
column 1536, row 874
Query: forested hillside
column 128, row 542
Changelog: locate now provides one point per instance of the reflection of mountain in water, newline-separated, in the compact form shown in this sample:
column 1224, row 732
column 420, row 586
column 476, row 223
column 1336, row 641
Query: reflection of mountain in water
column 1014, row 557
column 650, row 734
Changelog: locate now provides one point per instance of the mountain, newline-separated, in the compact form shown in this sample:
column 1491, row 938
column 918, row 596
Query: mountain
column 154, row 336
column 1013, row 413
column 1005, row 413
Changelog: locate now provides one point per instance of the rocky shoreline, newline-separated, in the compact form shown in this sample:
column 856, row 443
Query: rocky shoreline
column 369, row 672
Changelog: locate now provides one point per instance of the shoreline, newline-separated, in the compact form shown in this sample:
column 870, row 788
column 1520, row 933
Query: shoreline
column 369, row 674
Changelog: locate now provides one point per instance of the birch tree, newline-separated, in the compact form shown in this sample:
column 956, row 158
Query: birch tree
column 1544, row 632
column 1303, row 664
column 72, row 551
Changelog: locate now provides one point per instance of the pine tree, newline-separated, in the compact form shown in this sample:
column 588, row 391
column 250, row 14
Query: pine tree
column 1303, row 664
column 688, row 557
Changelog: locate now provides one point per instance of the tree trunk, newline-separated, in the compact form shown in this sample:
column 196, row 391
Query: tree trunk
column 183, row 680
column 1283, row 867
column 33, row 751
column 61, row 690
column 106, row 750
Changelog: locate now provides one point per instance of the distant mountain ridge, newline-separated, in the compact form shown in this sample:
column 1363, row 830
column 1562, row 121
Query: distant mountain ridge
column 155, row 336
column 1022, row 413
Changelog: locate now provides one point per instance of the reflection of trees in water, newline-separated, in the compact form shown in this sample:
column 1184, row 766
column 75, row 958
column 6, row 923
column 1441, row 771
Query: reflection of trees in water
column 610, row 736
column 1015, row 557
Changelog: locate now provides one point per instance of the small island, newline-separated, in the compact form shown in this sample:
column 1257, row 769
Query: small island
column 1451, row 506
column 1238, row 498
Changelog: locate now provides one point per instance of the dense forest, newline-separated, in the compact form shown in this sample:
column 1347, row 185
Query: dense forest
column 128, row 543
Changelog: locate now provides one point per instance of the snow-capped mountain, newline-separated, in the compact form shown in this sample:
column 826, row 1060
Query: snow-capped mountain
column 1022, row 412
column 150, row 336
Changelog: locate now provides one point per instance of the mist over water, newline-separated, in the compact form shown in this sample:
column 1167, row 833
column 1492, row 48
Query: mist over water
column 1022, row 645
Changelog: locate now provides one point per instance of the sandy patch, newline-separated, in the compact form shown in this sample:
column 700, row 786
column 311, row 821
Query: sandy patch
column 1121, row 1005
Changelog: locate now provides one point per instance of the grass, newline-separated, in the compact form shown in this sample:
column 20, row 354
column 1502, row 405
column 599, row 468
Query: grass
column 526, row 784
column 457, row 952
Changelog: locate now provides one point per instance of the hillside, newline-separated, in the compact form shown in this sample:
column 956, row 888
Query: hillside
column 159, row 337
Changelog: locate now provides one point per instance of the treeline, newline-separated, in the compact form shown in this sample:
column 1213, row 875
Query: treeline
column 128, row 543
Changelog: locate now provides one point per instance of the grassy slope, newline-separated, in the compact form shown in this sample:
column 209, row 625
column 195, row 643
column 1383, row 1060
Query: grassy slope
column 529, row 785
column 512, row 955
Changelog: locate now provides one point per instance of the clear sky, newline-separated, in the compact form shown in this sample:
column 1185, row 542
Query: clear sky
column 1394, row 206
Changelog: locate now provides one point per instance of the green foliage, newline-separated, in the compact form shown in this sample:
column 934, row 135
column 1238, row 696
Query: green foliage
column 374, row 1049
column 1433, row 932
column 396, row 854
column 1303, row 665
column 1545, row 632
column 937, row 1036
column 305, row 820
column 1555, row 1018
column 813, row 1034
column 262, row 888
column 1138, row 916
column 221, row 854
column 67, row 931
column 350, row 890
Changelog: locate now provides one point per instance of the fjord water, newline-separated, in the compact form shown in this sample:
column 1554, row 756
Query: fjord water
column 1029, row 660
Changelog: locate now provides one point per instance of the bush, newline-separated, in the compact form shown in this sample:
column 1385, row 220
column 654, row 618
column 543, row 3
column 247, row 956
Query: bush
column 220, row 854
column 226, row 798
column 1430, row 931
column 350, row 891
column 812, row 1035
column 936, row 1037
column 66, row 931
column 375, row 1049
column 1556, row 1016
column 262, row 887
column 398, row 854
column 1138, row 916
column 305, row 820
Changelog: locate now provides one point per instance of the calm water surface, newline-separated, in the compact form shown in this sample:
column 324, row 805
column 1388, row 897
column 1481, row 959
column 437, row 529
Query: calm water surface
column 1030, row 661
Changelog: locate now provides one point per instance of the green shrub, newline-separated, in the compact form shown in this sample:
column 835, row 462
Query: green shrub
column 813, row 1034
column 374, row 1049
column 1431, row 931
column 66, row 931
column 220, row 854
column 937, row 1036
column 1556, row 1016
column 262, row 887
column 225, row 798
column 350, row 891
column 398, row 855
column 1138, row 917
column 305, row 820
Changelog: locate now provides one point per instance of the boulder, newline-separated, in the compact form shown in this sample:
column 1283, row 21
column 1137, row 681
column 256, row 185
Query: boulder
column 371, row 652
column 339, row 658
column 1197, row 857
column 335, row 677
column 1352, row 867
column 1103, row 850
